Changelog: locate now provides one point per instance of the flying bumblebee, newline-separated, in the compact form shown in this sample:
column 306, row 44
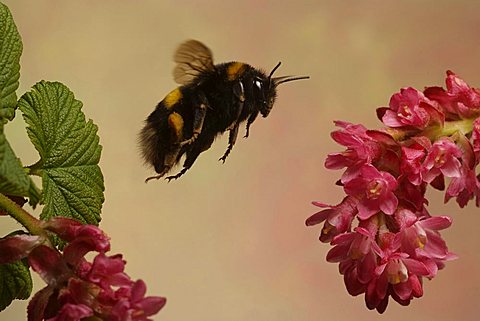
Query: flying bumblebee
column 212, row 99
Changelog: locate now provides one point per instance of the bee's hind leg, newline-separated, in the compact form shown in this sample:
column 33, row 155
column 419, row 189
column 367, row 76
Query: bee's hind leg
column 155, row 176
column 171, row 158
column 198, row 119
column 192, row 153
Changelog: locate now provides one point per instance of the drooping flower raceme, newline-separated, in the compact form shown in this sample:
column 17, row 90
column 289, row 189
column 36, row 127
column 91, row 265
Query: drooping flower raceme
column 76, row 288
column 430, row 138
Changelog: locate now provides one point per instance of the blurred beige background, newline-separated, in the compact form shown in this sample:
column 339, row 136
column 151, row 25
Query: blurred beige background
column 228, row 242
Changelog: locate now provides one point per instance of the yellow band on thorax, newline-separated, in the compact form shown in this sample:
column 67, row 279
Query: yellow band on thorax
column 235, row 70
column 172, row 98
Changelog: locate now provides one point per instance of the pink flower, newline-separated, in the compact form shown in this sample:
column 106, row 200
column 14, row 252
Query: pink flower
column 82, row 238
column 374, row 189
column 355, row 253
column 361, row 148
column 442, row 159
column 16, row 247
column 338, row 218
column 411, row 163
column 411, row 196
column 76, row 288
column 476, row 138
column 396, row 275
column 466, row 99
column 420, row 239
column 72, row 312
column 465, row 187
column 137, row 307
column 397, row 278
column 107, row 271
column 409, row 107
column 352, row 245
column 459, row 100
column 49, row 264
column 350, row 271
column 430, row 139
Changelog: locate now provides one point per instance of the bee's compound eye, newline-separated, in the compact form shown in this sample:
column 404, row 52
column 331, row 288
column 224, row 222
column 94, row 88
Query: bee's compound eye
column 258, row 83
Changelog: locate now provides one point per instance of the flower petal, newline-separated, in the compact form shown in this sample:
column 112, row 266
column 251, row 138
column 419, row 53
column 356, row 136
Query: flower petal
column 350, row 278
column 403, row 290
column 38, row 304
column 416, row 267
column 389, row 204
column 451, row 168
column 48, row 263
column 72, row 312
column 318, row 217
column 436, row 223
column 366, row 269
column 417, row 289
column 365, row 211
column 16, row 247
column 338, row 253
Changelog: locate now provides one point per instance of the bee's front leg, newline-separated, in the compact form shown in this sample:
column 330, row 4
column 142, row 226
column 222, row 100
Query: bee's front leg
column 239, row 93
column 198, row 119
column 232, row 138
column 250, row 121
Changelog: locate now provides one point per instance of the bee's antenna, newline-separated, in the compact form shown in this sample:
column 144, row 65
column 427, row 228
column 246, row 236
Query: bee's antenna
column 273, row 70
column 281, row 80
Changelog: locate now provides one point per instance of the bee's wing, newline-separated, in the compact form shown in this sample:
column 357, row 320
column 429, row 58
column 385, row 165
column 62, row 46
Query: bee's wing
column 192, row 58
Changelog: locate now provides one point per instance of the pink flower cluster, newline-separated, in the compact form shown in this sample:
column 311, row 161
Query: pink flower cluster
column 76, row 288
column 429, row 136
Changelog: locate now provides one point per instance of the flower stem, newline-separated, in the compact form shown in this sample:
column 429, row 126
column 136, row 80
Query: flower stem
column 463, row 126
column 20, row 215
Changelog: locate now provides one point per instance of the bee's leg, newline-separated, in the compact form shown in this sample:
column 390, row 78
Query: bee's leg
column 192, row 154
column 154, row 177
column 161, row 170
column 171, row 158
column 183, row 171
column 233, row 129
column 232, row 138
column 250, row 121
column 239, row 94
column 198, row 118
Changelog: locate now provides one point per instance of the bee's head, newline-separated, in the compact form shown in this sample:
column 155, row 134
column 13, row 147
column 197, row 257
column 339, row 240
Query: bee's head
column 266, row 89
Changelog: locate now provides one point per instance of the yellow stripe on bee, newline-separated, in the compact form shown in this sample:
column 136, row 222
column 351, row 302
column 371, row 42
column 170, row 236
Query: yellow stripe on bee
column 172, row 98
column 235, row 70
column 175, row 121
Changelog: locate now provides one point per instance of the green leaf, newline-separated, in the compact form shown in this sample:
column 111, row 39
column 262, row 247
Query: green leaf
column 10, row 52
column 13, row 178
column 15, row 283
column 69, row 152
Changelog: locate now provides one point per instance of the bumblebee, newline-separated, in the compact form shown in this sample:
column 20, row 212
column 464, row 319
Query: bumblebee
column 211, row 100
